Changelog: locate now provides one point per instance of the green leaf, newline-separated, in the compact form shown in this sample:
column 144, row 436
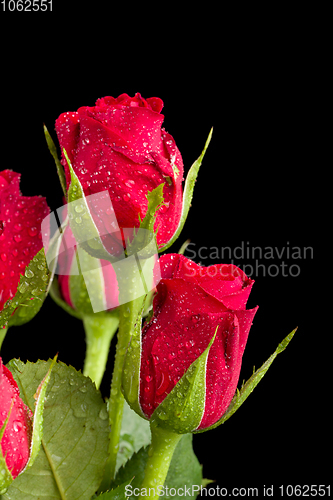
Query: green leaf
column 181, row 411
column 135, row 433
column 188, row 193
column 74, row 448
column 118, row 493
column 53, row 151
column 37, row 426
column 242, row 394
column 184, row 471
column 33, row 285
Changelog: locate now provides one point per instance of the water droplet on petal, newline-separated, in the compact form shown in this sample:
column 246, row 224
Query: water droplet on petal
column 32, row 231
column 17, row 426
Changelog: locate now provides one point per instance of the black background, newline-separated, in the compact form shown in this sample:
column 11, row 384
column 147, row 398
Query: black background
column 255, row 83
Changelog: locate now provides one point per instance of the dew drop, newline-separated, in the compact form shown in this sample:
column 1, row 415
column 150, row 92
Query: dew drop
column 23, row 287
column 79, row 209
column 32, row 231
column 17, row 238
column 28, row 273
column 3, row 257
column 103, row 414
column 17, row 426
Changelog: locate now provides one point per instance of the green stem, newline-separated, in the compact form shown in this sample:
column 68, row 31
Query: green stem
column 160, row 454
column 3, row 332
column 128, row 316
column 100, row 330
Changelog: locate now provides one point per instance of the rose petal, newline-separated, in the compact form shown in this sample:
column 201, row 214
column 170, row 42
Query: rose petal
column 21, row 237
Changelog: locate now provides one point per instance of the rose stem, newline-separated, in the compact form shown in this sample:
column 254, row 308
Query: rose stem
column 129, row 314
column 3, row 332
column 100, row 330
column 160, row 454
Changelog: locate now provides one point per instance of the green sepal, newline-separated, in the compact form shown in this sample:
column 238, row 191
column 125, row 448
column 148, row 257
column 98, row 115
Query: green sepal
column 53, row 151
column 33, row 285
column 37, row 425
column 246, row 389
column 155, row 201
column 5, row 476
column 188, row 193
column 78, row 283
column 131, row 371
column 183, row 408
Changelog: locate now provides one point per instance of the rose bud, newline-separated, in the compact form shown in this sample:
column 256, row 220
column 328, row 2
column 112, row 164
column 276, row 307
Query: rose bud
column 20, row 232
column 118, row 145
column 15, row 428
column 103, row 288
column 183, row 370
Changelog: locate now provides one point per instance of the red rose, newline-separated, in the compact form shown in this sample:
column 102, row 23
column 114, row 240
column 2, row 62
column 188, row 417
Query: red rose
column 191, row 302
column 20, row 234
column 107, row 285
column 118, row 145
column 16, row 439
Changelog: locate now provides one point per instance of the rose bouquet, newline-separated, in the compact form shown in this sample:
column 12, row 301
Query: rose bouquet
column 181, row 328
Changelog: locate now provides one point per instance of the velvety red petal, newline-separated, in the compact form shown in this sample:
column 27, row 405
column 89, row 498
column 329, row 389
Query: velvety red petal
column 155, row 103
column 140, row 128
column 21, row 237
column 68, row 128
column 168, row 352
column 225, row 282
column 223, row 368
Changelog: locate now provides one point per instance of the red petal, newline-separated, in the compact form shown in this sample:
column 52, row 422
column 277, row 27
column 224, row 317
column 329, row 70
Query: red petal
column 21, row 237
column 225, row 282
